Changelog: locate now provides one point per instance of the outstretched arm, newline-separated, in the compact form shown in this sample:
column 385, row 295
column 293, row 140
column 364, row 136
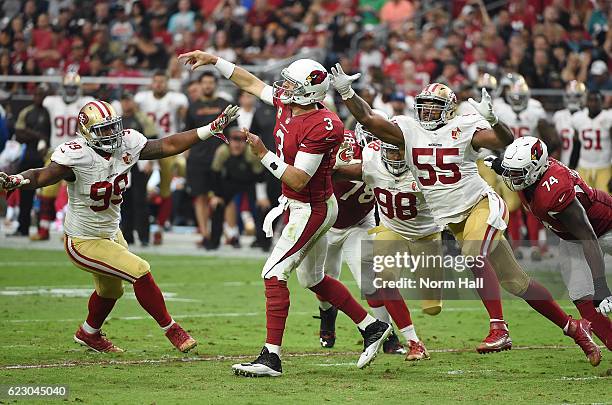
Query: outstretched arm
column 36, row 178
column 348, row 173
column 242, row 78
column 380, row 127
column 177, row 143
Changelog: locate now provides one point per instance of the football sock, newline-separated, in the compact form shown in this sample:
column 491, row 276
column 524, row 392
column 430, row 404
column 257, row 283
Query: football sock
column 379, row 311
column 542, row 301
column 231, row 231
column 165, row 211
column 277, row 310
column 90, row 330
column 333, row 291
column 367, row 321
column 601, row 324
column 397, row 308
column 514, row 227
column 151, row 299
column 99, row 308
column 273, row 348
column 409, row 333
column 489, row 293
column 533, row 229
column 165, row 328
column 47, row 212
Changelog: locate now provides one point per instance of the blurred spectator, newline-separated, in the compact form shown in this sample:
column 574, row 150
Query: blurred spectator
column 246, row 101
column 368, row 56
column 121, row 29
column 550, row 28
column 396, row 12
column 230, row 26
column 194, row 91
column 33, row 125
column 598, row 22
column 134, row 210
column 183, row 19
column 220, row 47
column 599, row 78
column 200, row 113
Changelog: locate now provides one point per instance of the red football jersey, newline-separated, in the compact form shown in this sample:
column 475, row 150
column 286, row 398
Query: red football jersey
column 556, row 189
column 319, row 131
column 355, row 198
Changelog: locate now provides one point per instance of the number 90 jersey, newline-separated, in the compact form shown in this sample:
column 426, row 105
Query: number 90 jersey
column 443, row 162
column 94, row 198
column 401, row 204
column 64, row 121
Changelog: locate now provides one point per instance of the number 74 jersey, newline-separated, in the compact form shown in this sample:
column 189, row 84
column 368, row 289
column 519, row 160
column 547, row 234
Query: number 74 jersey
column 401, row 204
column 94, row 198
column 443, row 162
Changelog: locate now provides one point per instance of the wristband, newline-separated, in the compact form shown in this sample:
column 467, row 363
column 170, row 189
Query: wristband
column 204, row 132
column 226, row 68
column 493, row 121
column 350, row 93
column 274, row 164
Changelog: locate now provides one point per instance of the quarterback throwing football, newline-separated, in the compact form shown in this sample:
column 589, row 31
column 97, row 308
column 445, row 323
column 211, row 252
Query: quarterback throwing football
column 96, row 167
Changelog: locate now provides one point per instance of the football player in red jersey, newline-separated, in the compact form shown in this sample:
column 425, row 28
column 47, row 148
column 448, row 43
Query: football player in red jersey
column 306, row 135
column 577, row 213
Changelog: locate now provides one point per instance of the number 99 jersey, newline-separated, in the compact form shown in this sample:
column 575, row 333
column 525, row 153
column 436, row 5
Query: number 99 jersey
column 401, row 204
column 443, row 162
column 64, row 121
column 94, row 198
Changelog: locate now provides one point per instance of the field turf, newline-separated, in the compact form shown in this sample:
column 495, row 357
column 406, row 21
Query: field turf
column 220, row 301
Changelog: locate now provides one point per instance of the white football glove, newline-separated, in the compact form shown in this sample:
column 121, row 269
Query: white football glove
column 485, row 107
column 10, row 183
column 605, row 306
column 342, row 82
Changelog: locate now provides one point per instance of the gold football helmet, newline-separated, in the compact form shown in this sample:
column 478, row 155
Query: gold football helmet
column 71, row 87
column 435, row 105
column 487, row 81
column 574, row 96
column 517, row 96
column 100, row 125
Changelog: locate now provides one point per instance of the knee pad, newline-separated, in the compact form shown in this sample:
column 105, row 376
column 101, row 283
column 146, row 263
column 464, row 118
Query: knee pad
column 113, row 290
column 142, row 268
column 307, row 279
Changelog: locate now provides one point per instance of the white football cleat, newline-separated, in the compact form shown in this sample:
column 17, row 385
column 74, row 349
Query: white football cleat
column 266, row 365
column 374, row 336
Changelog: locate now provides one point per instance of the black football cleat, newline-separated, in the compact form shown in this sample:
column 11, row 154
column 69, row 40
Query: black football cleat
column 266, row 365
column 373, row 337
column 327, row 331
column 393, row 346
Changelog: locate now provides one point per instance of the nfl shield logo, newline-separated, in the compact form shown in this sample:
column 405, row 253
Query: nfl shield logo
column 455, row 133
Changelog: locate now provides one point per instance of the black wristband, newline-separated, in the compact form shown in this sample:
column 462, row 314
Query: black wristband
column 496, row 166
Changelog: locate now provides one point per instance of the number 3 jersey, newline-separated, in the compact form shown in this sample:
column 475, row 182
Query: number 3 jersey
column 94, row 198
column 443, row 162
column 401, row 204
column 554, row 192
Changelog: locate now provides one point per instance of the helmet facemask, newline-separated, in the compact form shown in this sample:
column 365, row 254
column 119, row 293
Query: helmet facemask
column 431, row 111
column 106, row 136
column 574, row 101
column 516, row 179
column 393, row 159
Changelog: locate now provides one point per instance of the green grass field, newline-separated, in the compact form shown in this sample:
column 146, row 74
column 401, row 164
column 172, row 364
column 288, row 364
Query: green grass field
column 43, row 299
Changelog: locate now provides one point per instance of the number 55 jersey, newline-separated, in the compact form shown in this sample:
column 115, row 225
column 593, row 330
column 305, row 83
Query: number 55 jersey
column 94, row 197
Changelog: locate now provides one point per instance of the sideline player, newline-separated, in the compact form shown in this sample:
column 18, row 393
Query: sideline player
column 306, row 135
column 441, row 150
column 96, row 167
column 166, row 108
column 593, row 125
column 574, row 99
column 63, row 111
column 580, row 215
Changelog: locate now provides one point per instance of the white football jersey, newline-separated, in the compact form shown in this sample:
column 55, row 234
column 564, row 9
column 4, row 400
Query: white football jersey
column 524, row 123
column 64, row 121
column 563, row 125
column 594, row 136
column 163, row 111
column 444, row 163
column 400, row 203
column 94, row 198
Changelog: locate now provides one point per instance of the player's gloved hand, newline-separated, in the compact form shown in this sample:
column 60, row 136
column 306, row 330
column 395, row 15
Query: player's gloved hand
column 494, row 163
column 342, row 82
column 605, row 306
column 345, row 154
column 12, row 182
column 223, row 120
column 485, row 107
column 197, row 59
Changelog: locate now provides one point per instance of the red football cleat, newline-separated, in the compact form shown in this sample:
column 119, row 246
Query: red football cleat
column 180, row 338
column 41, row 235
column 497, row 340
column 416, row 351
column 157, row 238
column 580, row 331
column 96, row 341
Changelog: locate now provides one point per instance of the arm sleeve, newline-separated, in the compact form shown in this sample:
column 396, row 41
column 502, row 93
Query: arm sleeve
column 308, row 162
column 267, row 95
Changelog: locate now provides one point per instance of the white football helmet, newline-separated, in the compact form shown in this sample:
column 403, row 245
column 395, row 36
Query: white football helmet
column 363, row 136
column 574, row 97
column 395, row 164
column 524, row 162
column 304, row 82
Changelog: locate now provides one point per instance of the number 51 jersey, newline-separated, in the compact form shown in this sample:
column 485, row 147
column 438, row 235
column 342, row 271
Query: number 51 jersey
column 443, row 162
column 94, row 198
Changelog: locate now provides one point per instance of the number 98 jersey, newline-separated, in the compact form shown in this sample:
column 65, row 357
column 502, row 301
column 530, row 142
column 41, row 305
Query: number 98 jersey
column 443, row 162
column 63, row 118
column 401, row 204
column 94, row 198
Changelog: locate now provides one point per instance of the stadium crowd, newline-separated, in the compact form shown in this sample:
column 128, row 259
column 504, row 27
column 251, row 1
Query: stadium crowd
column 399, row 46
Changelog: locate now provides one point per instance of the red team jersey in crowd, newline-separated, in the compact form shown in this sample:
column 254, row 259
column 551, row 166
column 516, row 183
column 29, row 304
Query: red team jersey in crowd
column 317, row 132
column 556, row 189
column 355, row 198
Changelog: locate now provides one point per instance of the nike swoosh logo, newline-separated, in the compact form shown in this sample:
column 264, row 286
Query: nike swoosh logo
column 562, row 198
column 330, row 139
column 62, row 150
